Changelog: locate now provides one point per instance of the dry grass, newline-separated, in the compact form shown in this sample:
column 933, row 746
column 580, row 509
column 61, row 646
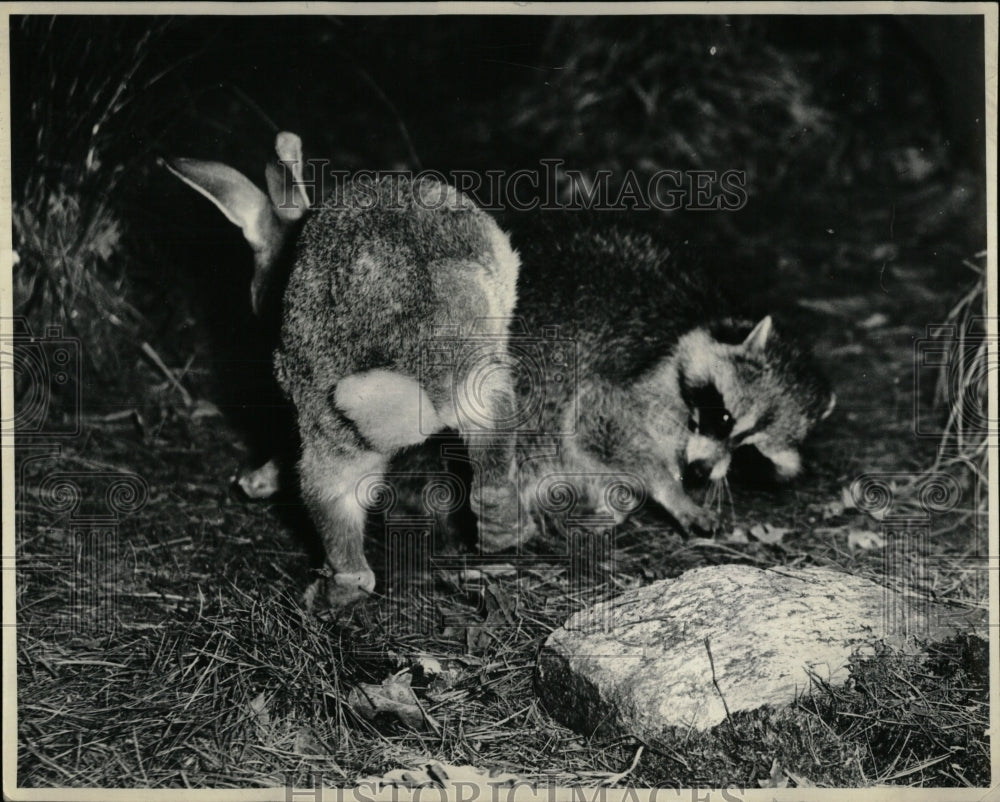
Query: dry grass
column 214, row 676
column 918, row 719
column 225, row 681
column 81, row 97
column 963, row 387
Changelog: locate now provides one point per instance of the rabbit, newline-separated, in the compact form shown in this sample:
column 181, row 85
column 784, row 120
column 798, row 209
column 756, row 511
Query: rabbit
column 393, row 327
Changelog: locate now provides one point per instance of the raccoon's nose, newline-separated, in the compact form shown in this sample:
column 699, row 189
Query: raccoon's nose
column 720, row 469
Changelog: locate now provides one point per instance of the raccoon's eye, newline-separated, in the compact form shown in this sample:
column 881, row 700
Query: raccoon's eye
column 709, row 415
column 715, row 422
column 711, row 421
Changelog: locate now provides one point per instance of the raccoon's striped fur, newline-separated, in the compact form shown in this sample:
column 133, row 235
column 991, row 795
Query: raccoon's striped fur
column 667, row 385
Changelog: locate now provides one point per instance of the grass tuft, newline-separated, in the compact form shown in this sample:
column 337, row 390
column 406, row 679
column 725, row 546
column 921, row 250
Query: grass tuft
column 82, row 111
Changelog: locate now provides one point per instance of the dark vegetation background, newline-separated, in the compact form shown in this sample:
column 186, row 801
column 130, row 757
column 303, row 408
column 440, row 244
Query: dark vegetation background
column 862, row 141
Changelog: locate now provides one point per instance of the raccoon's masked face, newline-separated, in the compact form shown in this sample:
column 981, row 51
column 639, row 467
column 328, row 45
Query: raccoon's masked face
column 743, row 395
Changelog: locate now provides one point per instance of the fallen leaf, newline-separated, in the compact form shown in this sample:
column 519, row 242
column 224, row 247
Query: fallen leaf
column 306, row 744
column 394, row 696
column 766, row 533
column 847, row 498
column 738, row 535
column 499, row 600
column 447, row 775
column 428, row 666
column 799, row 780
column 402, row 778
column 777, row 778
column 476, row 574
column 258, row 709
column 465, row 575
column 479, row 636
column 865, row 540
column 442, row 775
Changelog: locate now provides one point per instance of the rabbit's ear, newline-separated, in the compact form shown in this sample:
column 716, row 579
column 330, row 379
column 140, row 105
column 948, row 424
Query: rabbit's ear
column 237, row 198
column 246, row 206
column 284, row 180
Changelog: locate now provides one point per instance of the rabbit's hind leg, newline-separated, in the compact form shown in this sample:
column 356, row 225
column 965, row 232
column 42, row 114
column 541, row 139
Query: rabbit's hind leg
column 333, row 481
column 345, row 453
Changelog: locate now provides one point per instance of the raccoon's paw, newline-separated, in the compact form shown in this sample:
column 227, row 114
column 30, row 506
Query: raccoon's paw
column 501, row 523
column 261, row 483
column 501, row 534
column 493, row 539
column 696, row 520
column 338, row 591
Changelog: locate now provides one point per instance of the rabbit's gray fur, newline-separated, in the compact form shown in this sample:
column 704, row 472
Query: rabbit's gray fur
column 381, row 276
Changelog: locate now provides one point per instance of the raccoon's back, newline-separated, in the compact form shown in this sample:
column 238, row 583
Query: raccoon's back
column 624, row 296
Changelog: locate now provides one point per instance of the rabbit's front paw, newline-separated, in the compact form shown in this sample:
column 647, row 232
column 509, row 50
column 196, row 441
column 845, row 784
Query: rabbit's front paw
column 261, row 483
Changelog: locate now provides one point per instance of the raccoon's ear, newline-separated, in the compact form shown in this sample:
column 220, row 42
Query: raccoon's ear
column 757, row 339
column 786, row 461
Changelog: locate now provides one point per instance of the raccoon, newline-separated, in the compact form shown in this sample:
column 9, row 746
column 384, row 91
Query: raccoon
column 667, row 383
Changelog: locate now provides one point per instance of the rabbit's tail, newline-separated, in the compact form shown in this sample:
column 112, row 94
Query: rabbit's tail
column 389, row 409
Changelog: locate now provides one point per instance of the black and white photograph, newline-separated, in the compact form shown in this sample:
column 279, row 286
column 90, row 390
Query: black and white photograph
column 498, row 400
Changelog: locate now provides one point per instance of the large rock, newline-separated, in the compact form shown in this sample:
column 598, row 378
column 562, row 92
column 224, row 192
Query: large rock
column 650, row 659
